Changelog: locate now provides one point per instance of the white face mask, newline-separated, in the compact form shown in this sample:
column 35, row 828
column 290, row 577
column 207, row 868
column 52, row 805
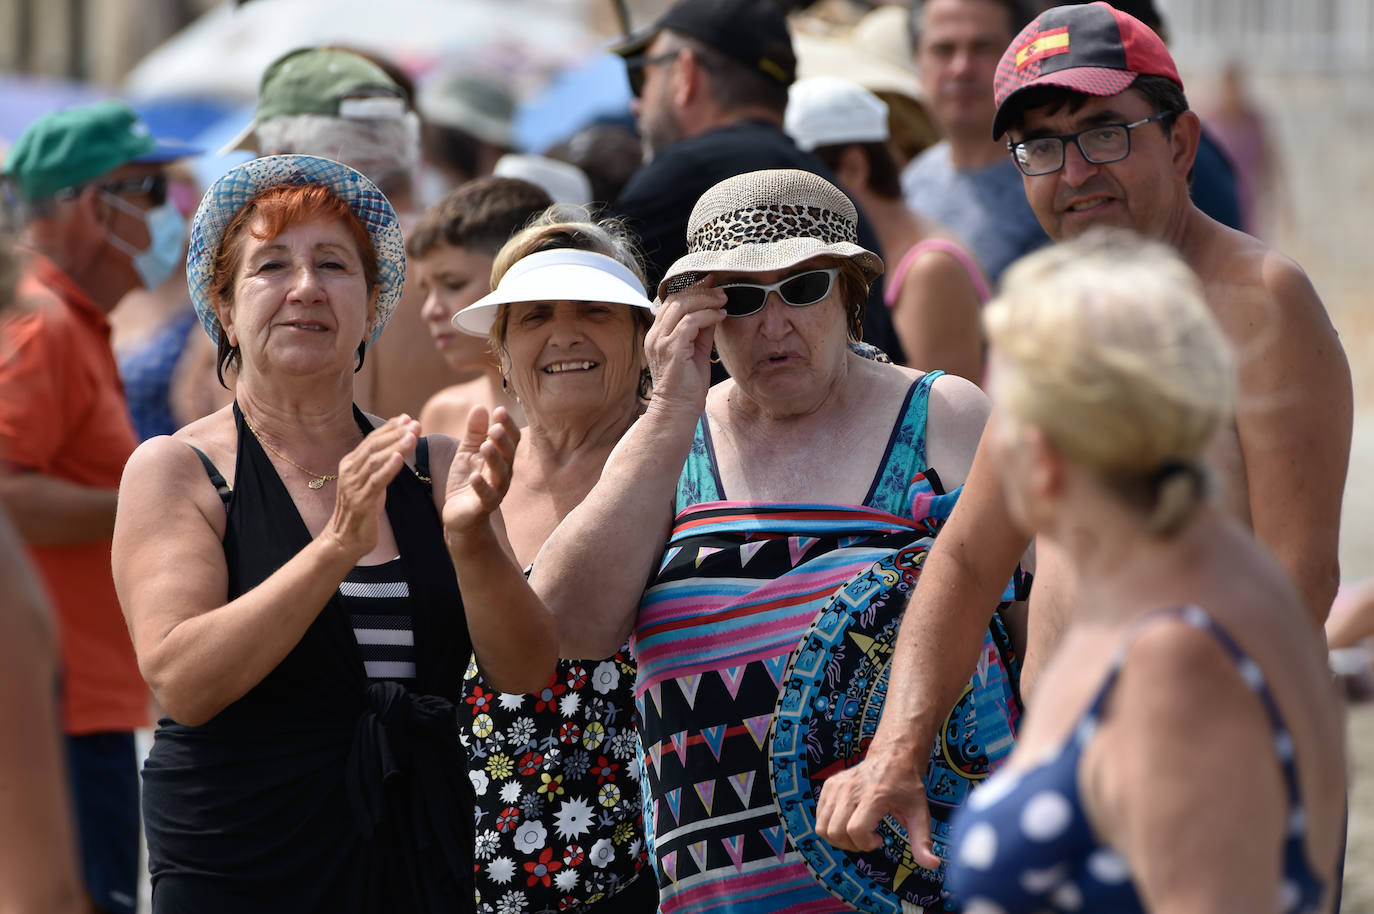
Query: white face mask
column 166, row 232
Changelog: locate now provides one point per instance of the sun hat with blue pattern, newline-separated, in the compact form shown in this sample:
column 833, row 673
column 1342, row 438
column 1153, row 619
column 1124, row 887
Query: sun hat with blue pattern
column 232, row 192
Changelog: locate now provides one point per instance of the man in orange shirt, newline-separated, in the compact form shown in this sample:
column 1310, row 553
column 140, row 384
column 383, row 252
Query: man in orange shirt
column 92, row 193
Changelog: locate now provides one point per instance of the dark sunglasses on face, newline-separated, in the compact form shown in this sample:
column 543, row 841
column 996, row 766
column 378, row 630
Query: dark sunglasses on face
column 154, row 187
column 636, row 65
column 798, row 290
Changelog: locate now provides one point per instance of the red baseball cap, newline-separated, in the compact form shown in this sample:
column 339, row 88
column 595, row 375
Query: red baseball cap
column 1091, row 48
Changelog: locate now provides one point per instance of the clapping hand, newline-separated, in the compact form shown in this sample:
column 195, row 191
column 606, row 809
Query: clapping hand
column 480, row 473
column 364, row 474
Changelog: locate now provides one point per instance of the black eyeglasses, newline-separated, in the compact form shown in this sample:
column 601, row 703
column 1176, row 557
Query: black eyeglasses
column 1100, row 145
column 798, row 290
column 636, row 65
column 152, row 186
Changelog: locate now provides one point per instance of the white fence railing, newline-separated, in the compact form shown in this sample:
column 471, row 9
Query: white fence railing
column 1274, row 36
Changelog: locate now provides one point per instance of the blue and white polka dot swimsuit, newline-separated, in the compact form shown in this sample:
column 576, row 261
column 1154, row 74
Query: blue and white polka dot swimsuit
column 1023, row 842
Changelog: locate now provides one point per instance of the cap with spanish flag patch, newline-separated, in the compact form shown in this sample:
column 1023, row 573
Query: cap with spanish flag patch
column 1092, row 48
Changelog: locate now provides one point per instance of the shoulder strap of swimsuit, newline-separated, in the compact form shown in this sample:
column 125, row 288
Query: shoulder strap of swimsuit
column 699, row 480
column 422, row 462
column 1248, row 670
column 216, row 477
column 944, row 245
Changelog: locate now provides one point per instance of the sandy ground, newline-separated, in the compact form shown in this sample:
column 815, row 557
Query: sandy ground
column 1324, row 126
column 1359, row 857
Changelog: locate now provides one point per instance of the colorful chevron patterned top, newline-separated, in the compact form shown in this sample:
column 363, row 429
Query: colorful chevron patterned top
column 738, row 588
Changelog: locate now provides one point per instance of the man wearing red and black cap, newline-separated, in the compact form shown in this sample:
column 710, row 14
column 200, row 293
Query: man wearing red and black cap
column 1214, row 175
column 1096, row 119
column 710, row 80
column 1100, row 75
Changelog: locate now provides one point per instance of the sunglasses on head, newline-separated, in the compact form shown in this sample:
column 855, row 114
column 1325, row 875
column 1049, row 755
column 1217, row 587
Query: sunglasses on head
column 798, row 290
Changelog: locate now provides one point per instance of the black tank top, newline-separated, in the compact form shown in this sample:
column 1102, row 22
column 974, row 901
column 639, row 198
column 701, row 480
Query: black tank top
column 320, row 790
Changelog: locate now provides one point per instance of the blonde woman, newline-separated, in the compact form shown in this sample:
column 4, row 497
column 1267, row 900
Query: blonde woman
column 558, row 805
column 1183, row 750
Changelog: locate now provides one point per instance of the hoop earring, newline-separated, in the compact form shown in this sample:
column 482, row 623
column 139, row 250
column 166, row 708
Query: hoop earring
column 715, row 356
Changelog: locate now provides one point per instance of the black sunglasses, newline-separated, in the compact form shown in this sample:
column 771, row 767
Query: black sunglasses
column 637, row 64
column 152, row 186
column 798, row 290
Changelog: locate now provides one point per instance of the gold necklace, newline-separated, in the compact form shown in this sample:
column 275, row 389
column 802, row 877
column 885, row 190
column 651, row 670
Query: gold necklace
column 319, row 478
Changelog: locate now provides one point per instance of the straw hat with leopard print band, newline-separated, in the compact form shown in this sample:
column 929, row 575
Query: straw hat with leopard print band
column 236, row 187
column 1092, row 48
column 769, row 220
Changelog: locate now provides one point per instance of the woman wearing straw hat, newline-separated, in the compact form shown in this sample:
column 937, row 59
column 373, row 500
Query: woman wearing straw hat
column 557, row 802
column 787, row 507
column 287, row 566
column 1183, row 750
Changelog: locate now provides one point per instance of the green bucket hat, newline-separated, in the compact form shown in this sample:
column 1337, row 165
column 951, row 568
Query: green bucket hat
column 328, row 81
column 67, row 148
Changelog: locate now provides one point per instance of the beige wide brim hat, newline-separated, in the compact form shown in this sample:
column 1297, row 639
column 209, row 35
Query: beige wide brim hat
column 769, row 220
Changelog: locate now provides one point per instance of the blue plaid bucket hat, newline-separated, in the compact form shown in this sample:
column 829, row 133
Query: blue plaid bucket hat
column 232, row 192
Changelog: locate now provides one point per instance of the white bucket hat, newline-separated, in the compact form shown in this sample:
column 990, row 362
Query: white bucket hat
column 830, row 111
column 564, row 274
column 769, row 220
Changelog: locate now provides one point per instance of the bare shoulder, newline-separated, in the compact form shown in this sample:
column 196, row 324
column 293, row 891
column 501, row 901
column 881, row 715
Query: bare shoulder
column 1252, row 286
column 885, row 385
column 1179, row 671
column 214, row 434
column 165, row 482
column 955, row 417
column 938, row 268
column 446, row 412
column 1178, row 681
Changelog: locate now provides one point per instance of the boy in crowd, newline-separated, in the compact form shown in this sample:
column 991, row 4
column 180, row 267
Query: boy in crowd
column 452, row 248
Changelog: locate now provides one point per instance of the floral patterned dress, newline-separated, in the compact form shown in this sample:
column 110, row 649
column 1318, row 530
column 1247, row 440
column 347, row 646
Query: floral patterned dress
column 558, row 817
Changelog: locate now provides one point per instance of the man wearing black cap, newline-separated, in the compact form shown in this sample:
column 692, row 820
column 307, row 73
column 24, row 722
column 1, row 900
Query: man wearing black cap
column 710, row 81
column 1095, row 117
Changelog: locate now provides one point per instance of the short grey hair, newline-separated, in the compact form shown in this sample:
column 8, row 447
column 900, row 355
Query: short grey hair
column 385, row 150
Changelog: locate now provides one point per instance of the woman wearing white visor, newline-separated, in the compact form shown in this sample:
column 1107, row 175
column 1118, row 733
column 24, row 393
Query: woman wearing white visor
column 558, row 807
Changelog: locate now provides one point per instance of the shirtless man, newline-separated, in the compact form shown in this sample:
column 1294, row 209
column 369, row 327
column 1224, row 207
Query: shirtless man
column 1096, row 119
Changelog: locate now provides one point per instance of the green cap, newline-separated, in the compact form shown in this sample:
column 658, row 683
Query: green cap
column 71, row 147
column 319, row 81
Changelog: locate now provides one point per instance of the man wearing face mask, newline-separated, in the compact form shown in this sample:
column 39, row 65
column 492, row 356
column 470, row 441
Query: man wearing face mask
column 89, row 188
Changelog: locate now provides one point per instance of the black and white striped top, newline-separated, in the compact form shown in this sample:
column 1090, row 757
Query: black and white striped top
column 377, row 601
